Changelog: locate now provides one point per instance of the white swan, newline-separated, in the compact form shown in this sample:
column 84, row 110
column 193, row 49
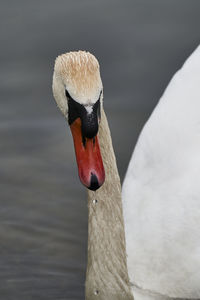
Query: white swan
column 161, row 191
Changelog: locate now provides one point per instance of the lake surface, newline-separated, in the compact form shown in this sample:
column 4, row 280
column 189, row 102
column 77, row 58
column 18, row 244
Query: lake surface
column 43, row 207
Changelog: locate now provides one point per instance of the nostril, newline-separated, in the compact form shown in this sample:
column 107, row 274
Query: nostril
column 83, row 140
column 94, row 183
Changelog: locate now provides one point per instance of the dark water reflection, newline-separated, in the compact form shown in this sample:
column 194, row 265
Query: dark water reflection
column 43, row 207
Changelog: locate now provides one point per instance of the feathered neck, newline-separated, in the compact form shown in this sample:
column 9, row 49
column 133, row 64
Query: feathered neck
column 107, row 274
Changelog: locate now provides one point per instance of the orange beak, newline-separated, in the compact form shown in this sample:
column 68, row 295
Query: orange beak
column 88, row 157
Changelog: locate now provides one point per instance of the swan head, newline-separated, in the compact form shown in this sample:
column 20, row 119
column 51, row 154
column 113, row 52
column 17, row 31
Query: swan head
column 78, row 91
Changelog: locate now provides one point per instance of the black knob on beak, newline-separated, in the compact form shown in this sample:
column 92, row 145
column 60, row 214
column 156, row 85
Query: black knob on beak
column 90, row 123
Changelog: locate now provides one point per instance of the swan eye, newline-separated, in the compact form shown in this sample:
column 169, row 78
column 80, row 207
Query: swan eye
column 67, row 94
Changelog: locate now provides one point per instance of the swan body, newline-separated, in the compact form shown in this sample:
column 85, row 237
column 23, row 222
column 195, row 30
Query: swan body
column 151, row 247
column 161, row 192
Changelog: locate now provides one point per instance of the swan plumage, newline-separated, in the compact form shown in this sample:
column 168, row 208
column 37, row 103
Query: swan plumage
column 161, row 192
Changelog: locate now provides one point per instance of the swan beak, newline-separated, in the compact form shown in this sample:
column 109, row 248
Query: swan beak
column 88, row 157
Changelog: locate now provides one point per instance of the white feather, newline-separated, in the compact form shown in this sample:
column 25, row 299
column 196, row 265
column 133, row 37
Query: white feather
column 89, row 109
column 161, row 192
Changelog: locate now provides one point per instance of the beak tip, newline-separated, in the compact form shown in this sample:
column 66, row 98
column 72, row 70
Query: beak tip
column 94, row 183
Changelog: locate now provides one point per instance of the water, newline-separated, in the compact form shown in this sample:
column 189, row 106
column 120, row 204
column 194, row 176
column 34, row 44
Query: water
column 43, row 207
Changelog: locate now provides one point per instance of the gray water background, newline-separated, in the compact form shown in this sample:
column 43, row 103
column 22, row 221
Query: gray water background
column 43, row 207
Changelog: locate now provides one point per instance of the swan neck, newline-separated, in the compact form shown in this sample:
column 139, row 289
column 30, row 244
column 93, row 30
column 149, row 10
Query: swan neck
column 107, row 275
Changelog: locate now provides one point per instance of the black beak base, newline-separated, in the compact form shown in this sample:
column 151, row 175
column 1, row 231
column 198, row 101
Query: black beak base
column 90, row 121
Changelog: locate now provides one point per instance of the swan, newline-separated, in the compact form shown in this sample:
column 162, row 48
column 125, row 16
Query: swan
column 148, row 244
